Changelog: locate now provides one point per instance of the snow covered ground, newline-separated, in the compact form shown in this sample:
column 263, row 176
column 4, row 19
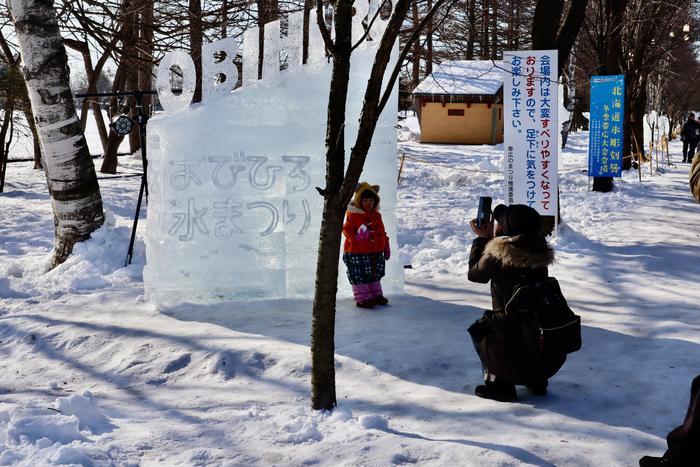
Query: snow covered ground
column 93, row 375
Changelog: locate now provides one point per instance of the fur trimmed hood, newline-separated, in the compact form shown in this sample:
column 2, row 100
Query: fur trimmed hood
column 359, row 190
column 353, row 208
column 517, row 252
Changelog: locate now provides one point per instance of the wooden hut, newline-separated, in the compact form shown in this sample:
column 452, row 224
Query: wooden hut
column 461, row 102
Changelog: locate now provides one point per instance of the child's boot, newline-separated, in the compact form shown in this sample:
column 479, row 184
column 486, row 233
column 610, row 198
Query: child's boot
column 377, row 294
column 363, row 296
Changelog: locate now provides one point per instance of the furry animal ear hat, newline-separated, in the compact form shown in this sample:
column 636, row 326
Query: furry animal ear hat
column 363, row 190
column 518, row 219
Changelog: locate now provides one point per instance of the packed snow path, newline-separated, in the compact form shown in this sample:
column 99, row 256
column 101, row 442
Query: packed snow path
column 93, row 375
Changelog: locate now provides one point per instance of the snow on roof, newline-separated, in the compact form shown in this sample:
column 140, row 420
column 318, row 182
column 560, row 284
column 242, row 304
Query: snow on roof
column 463, row 77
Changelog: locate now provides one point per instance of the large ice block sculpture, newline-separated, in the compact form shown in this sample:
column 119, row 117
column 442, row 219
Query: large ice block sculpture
column 233, row 213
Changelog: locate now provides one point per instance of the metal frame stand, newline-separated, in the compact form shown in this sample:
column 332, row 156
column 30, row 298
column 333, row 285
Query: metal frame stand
column 142, row 120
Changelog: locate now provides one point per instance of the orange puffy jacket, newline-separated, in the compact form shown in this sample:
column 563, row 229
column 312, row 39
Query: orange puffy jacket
column 377, row 234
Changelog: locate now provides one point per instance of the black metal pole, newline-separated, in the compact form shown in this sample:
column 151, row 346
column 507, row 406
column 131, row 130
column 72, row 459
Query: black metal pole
column 142, row 120
column 136, row 222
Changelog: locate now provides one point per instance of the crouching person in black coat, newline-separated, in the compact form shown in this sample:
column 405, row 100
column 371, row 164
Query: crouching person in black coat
column 518, row 254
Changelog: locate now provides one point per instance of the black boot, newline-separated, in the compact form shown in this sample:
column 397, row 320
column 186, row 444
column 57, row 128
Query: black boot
column 497, row 391
column 651, row 461
column 381, row 300
column 539, row 389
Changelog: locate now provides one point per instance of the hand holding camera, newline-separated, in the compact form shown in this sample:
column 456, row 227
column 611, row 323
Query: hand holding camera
column 482, row 226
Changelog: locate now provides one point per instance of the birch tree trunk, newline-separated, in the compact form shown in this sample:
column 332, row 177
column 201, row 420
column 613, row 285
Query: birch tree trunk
column 70, row 173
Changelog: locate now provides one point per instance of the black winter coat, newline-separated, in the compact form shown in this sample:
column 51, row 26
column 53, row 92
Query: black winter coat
column 507, row 262
column 690, row 131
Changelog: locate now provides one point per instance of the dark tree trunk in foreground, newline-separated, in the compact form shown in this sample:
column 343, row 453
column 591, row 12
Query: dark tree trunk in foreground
column 323, row 394
column 196, row 39
column 340, row 186
column 72, row 182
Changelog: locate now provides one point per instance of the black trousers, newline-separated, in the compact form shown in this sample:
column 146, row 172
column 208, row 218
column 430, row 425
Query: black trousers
column 689, row 150
column 684, row 441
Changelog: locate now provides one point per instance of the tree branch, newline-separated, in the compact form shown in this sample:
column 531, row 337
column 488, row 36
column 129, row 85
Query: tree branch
column 369, row 26
column 321, row 21
column 414, row 37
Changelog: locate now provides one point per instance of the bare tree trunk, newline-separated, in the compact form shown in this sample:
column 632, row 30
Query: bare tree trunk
column 92, row 75
column 224, row 19
column 545, row 24
column 70, row 173
column 268, row 10
column 5, row 128
column 511, row 25
column 196, row 38
column 415, row 72
column 516, row 39
column 19, row 91
column 485, row 52
column 38, row 157
column 339, row 188
column 471, row 36
column 638, row 104
column 429, row 43
column 9, row 83
column 109, row 162
column 147, row 46
column 494, row 30
column 323, row 393
column 566, row 38
column 308, row 7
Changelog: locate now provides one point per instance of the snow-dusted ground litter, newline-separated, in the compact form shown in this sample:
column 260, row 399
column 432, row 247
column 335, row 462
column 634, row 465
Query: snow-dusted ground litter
column 93, row 375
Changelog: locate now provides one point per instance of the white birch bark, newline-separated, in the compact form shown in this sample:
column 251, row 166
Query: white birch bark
column 70, row 173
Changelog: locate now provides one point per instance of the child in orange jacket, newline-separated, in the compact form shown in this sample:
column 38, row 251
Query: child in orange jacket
column 366, row 246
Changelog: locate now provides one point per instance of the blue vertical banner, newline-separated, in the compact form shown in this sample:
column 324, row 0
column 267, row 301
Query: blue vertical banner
column 606, row 130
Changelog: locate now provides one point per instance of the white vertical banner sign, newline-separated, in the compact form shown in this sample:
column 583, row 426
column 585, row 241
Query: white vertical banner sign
column 531, row 129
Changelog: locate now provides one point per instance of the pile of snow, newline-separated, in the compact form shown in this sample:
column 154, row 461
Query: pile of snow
column 58, row 435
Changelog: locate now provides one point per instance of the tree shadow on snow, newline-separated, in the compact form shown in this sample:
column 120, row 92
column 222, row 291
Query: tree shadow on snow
column 616, row 379
column 625, row 381
column 415, row 338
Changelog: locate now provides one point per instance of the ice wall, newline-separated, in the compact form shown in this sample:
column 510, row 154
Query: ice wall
column 233, row 213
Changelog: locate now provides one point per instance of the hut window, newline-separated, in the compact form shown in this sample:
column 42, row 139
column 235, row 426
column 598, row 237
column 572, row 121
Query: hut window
column 455, row 112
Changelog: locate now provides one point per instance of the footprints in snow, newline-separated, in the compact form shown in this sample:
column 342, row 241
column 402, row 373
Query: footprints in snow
column 178, row 364
column 228, row 364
